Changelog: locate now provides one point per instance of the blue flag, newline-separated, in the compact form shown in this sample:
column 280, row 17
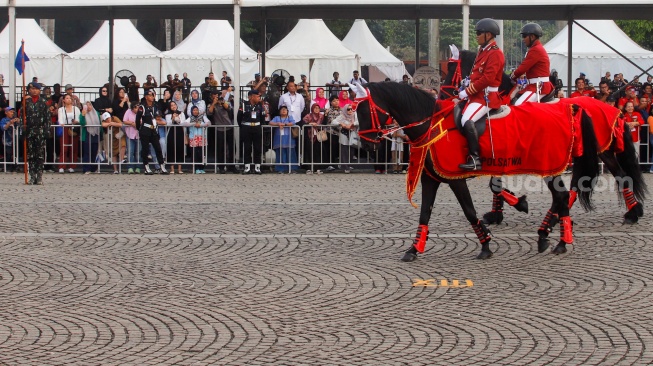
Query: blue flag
column 21, row 58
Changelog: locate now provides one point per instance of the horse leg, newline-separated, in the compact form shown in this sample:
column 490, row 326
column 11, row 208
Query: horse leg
column 429, row 190
column 461, row 191
column 499, row 196
column 561, row 206
column 635, row 209
column 550, row 220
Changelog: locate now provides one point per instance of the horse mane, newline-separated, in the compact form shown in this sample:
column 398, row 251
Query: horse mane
column 402, row 97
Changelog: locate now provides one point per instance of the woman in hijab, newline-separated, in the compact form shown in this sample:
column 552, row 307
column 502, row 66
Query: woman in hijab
column 177, row 97
column 103, row 102
column 320, row 99
column 196, row 101
column 91, row 134
column 348, row 124
column 174, row 119
column 313, row 147
column 197, row 137
column 343, row 97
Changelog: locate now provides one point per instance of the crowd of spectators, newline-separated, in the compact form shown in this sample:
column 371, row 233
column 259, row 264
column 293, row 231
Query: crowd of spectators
column 89, row 133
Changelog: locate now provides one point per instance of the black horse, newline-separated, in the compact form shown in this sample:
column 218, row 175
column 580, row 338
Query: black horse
column 408, row 106
column 623, row 165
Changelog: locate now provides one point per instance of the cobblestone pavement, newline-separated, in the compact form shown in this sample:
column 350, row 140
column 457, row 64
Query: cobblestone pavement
column 305, row 270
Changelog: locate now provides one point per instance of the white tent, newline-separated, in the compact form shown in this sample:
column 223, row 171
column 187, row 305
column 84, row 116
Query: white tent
column 210, row 47
column 89, row 65
column 311, row 49
column 381, row 62
column 45, row 56
column 592, row 57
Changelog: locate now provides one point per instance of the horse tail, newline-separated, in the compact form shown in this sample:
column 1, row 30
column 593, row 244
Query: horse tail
column 629, row 162
column 586, row 167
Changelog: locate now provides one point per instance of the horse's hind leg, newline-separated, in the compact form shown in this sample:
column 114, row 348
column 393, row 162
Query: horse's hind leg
column 461, row 191
column 635, row 209
column 429, row 191
column 561, row 206
column 499, row 196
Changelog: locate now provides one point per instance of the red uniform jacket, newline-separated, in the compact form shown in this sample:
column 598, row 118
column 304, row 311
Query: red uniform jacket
column 487, row 71
column 634, row 132
column 536, row 64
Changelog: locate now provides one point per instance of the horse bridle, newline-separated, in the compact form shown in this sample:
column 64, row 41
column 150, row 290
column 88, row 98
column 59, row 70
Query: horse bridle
column 455, row 81
column 382, row 133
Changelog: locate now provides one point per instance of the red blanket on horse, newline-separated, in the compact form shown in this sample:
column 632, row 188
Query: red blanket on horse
column 533, row 139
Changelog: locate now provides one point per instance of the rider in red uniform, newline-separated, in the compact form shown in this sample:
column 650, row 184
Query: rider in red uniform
column 535, row 66
column 483, row 89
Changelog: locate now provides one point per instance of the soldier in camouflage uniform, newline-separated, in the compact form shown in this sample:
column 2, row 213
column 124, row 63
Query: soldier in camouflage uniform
column 38, row 130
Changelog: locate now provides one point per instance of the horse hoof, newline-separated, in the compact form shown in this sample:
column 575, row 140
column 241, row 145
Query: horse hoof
column 484, row 255
column 628, row 221
column 490, row 218
column 522, row 204
column 542, row 245
column 560, row 249
column 409, row 257
column 631, row 216
column 639, row 209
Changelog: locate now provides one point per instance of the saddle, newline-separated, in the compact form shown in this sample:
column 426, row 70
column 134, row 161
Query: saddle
column 501, row 112
column 545, row 99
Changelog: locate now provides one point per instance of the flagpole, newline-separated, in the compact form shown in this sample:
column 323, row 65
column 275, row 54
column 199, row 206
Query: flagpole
column 22, row 50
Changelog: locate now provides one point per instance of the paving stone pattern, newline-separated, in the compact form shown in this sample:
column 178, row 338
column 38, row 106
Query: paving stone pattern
column 305, row 270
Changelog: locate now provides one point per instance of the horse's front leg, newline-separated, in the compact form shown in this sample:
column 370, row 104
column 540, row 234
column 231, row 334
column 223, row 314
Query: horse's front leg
column 461, row 191
column 429, row 190
column 550, row 220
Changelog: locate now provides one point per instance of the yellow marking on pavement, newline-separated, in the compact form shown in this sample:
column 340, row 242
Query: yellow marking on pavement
column 432, row 282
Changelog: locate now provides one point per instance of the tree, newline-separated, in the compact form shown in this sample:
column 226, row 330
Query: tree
column 640, row 31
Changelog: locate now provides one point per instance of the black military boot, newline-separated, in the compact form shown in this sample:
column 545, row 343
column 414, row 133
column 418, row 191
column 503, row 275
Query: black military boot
column 474, row 159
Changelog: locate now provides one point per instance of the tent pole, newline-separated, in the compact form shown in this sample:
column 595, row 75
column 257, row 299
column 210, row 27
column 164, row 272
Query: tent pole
column 570, row 24
column 236, row 72
column 465, row 24
column 264, row 41
column 111, row 81
column 11, row 73
column 417, row 41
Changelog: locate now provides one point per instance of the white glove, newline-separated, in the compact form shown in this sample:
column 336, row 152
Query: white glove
column 462, row 95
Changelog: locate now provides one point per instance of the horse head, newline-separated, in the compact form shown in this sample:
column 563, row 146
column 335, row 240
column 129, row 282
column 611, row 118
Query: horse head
column 459, row 67
column 380, row 104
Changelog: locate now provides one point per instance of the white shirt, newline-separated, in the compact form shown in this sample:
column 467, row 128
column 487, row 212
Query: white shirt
column 359, row 81
column 295, row 104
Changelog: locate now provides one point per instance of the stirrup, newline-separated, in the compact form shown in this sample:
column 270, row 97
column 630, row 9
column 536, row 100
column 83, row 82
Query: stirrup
column 473, row 163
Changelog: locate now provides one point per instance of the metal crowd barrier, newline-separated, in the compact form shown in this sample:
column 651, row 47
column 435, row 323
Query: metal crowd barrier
column 221, row 151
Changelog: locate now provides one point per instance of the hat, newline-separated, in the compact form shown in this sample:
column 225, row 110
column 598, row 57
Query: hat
column 68, row 86
column 34, row 85
column 106, row 115
column 611, row 98
column 253, row 92
column 7, row 109
column 631, row 87
column 302, row 76
column 257, row 74
column 582, row 74
column 283, row 107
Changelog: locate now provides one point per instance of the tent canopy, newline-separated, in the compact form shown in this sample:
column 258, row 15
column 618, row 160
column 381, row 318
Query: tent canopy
column 88, row 65
column 591, row 56
column 127, row 43
column 45, row 56
column 211, row 39
column 361, row 40
column 209, row 47
column 311, row 49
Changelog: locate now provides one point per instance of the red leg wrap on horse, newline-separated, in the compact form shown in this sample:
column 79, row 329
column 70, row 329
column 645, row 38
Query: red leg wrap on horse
column 497, row 203
column 566, row 233
column 420, row 239
column 629, row 197
column 572, row 197
column 482, row 232
column 547, row 219
column 509, row 197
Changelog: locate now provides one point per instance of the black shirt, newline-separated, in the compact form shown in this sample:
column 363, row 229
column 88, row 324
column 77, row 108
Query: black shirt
column 185, row 85
column 147, row 115
column 245, row 114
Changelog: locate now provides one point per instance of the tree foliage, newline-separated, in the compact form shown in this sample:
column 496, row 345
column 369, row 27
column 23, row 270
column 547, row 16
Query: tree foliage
column 640, row 31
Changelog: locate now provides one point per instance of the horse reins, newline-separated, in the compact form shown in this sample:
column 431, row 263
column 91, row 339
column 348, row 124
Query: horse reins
column 382, row 133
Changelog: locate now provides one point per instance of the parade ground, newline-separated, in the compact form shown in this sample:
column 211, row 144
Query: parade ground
column 304, row 270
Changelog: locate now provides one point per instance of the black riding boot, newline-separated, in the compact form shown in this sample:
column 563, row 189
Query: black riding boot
column 473, row 160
